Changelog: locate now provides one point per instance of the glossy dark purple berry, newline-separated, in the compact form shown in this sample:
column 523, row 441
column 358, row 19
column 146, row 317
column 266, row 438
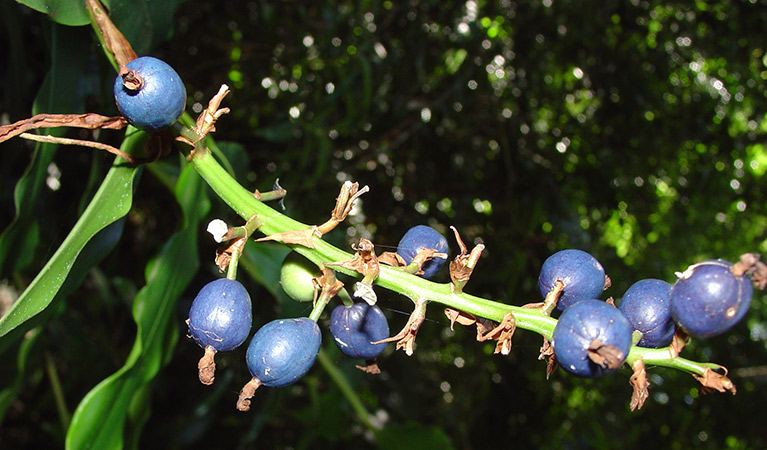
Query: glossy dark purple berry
column 582, row 275
column 150, row 94
column 587, row 328
column 283, row 350
column 709, row 299
column 355, row 328
column 220, row 316
column 646, row 306
column 423, row 237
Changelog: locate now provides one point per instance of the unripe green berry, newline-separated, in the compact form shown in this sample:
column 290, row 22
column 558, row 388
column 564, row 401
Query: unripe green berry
column 296, row 277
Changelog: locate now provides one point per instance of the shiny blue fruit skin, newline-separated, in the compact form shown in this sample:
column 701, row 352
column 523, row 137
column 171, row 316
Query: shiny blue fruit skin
column 354, row 328
column 221, row 314
column 582, row 274
column 161, row 100
column 420, row 237
column 283, row 350
column 579, row 325
column 709, row 299
column 646, row 305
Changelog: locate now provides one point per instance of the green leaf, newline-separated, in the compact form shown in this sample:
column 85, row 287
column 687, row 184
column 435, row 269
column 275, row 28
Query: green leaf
column 10, row 393
column 56, row 95
column 263, row 261
column 65, row 12
column 111, row 202
column 116, row 408
column 144, row 24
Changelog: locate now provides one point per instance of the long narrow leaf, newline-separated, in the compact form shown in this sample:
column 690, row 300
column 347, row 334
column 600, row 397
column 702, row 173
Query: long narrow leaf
column 111, row 202
column 56, row 95
column 107, row 413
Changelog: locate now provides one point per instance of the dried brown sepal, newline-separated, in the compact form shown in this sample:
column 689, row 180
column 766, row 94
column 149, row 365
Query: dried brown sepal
column 344, row 203
column 303, row 237
column 406, row 337
column 714, row 381
column 246, row 393
column 605, row 355
column 206, row 367
column 536, row 305
column 552, row 297
column 608, row 283
column 224, row 254
column 88, row 121
column 463, row 265
column 502, row 333
column 639, row 382
column 745, row 264
column 610, row 301
column 547, row 351
column 371, row 367
column 114, row 41
column 750, row 264
column 424, row 255
column 759, row 277
column 461, row 317
column 328, row 282
column 206, row 121
column 392, row 259
column 365, row 261
column 678, row 342
column 131, row 80
column 551, row 366
column 483, row 327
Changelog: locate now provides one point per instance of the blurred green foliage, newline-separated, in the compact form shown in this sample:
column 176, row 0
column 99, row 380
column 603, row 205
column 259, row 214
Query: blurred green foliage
column 634, row 130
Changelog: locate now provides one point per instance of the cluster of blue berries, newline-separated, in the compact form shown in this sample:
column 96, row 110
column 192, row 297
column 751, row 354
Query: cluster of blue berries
column 283, row 350
column 592, row 338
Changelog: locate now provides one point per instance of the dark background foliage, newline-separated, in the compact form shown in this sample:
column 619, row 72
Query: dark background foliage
column 634, row 130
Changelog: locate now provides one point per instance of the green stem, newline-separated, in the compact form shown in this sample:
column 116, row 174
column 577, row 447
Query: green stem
column 319, row 306
column 665, row 358
column 346, row 299
column 414, row 287
column 58, row 393
column 346, row 389
column 231, row 271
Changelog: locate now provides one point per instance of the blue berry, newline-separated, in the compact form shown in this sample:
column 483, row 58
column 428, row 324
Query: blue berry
column 220, row 316
column 354, row 328
column 423, row 237
column 150, row 94
column 709, row 299
column 587, row 328
column 582, row 275
column 646, row 306
column 283, row 350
